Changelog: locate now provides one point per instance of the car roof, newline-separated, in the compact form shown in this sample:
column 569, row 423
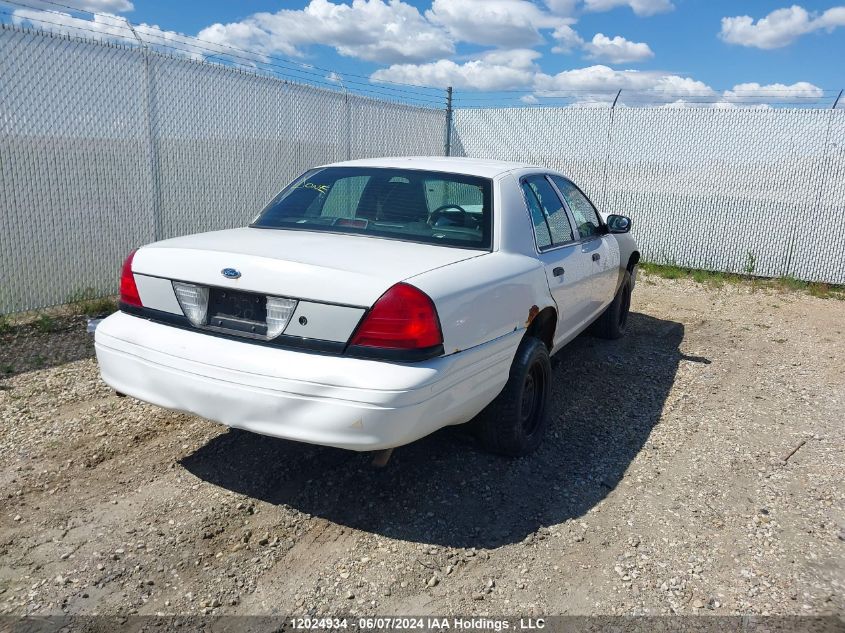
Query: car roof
column 484, row 167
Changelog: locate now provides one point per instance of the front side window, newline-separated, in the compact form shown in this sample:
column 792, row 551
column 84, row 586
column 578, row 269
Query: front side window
column 585, row 214
column 417, row 206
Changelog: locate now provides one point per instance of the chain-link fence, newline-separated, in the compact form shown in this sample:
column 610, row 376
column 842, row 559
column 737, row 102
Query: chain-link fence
column 104, row 148
column 755, row 191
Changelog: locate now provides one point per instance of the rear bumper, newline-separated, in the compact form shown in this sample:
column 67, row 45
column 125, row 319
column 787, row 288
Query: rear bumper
column 336, row 401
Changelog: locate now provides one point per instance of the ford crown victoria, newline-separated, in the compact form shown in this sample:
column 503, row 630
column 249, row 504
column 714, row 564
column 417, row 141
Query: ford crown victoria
column 373, row 302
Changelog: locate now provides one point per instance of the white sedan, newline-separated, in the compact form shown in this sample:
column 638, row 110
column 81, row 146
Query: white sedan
column 374, row 301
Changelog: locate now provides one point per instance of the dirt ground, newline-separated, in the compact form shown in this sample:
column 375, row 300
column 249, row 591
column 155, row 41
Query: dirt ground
column 667, row 484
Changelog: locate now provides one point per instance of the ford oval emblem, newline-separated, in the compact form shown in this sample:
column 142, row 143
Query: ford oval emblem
column 231, row 273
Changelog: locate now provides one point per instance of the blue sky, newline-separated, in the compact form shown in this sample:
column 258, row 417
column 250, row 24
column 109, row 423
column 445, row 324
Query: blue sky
column 673, row 50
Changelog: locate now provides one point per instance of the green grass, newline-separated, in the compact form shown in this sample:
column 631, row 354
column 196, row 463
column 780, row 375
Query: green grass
column 667, row 271
column 791, row 283
column 672, row 271
column 83, row 303
column 718, row 279
column 90, row 303
column 45, row 323
column 815, row 288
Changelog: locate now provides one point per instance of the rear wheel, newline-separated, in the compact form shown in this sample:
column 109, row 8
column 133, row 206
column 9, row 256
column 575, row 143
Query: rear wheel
column 614, row 320
column 514, row 423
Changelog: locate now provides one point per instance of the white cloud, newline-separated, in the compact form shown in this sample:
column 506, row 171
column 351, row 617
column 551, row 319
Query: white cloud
column 566, row 39
column 751, row 93
column 589, row 103
column 522, row 58
column 375, row 30
column 495, row 70
column 675, row 85
column 779, row 28
column 251, row 35
column 100, row 6
column 599, row 84
column 562, row 7
column 682, row 104
column 417, row 46
column 503, row 23
column 727, row 105
column 591, row 86
column 747, row 95
column 500, row 70
column 598, row 79
column 111, row 28
column 640, row 7
column 678, row 104
column 617, row 50
column 101, row 27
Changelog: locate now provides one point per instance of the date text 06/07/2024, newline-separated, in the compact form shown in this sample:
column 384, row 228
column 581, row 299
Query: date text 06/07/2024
column 431, row 623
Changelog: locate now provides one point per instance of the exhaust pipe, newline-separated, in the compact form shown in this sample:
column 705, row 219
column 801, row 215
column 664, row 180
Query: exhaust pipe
column 380, row 458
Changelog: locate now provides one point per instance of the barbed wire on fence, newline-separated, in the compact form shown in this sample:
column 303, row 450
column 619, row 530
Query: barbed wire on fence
column 651, row 97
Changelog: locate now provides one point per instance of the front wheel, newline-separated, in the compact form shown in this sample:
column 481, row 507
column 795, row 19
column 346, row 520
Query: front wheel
column 514, row 423
column 614, row 320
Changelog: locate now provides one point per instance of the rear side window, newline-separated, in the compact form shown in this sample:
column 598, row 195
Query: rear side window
column 585, row 214
column 538, row 218
column 559, row 227
column 412, row 205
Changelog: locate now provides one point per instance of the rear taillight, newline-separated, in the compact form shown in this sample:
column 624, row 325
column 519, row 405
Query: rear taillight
column 403, row 318
column 128, row 290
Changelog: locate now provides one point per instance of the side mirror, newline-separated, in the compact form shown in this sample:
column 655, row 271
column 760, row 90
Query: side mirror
column 618, row 224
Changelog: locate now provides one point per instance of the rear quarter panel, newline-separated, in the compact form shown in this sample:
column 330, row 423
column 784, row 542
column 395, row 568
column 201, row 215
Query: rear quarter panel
column 484, row 298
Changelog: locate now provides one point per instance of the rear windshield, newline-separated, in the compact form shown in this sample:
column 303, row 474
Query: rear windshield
column 418, row 206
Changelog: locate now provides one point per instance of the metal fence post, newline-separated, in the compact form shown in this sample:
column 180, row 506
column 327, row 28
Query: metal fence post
column 152, row 148
column 607, row 153
column 447, row 149
column 347, row 111
column 348, row 108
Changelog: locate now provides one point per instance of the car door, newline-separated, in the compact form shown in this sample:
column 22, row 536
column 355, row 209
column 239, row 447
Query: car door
column 568, row 269
column 595, row 243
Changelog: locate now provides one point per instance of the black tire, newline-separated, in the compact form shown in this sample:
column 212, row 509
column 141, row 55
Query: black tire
column 515, row 422
column 614, row 320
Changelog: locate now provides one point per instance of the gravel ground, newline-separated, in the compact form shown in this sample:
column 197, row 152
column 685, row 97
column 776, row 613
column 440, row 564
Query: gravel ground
column 667, row 485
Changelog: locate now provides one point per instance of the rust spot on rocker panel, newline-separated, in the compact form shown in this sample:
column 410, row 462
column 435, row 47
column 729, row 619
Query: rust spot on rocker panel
column 532, row 313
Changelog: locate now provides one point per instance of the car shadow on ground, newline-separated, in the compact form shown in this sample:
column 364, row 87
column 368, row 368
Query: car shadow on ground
column 444, row 489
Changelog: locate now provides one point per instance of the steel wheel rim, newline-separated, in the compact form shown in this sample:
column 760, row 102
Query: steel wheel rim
column 533, row 395
column 626, row 306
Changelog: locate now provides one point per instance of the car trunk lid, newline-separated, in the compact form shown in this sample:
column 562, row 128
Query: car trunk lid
column 322, row 267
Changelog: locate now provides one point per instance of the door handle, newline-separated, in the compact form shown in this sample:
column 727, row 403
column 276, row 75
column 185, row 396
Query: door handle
column 596, row 257
column 558, row 272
